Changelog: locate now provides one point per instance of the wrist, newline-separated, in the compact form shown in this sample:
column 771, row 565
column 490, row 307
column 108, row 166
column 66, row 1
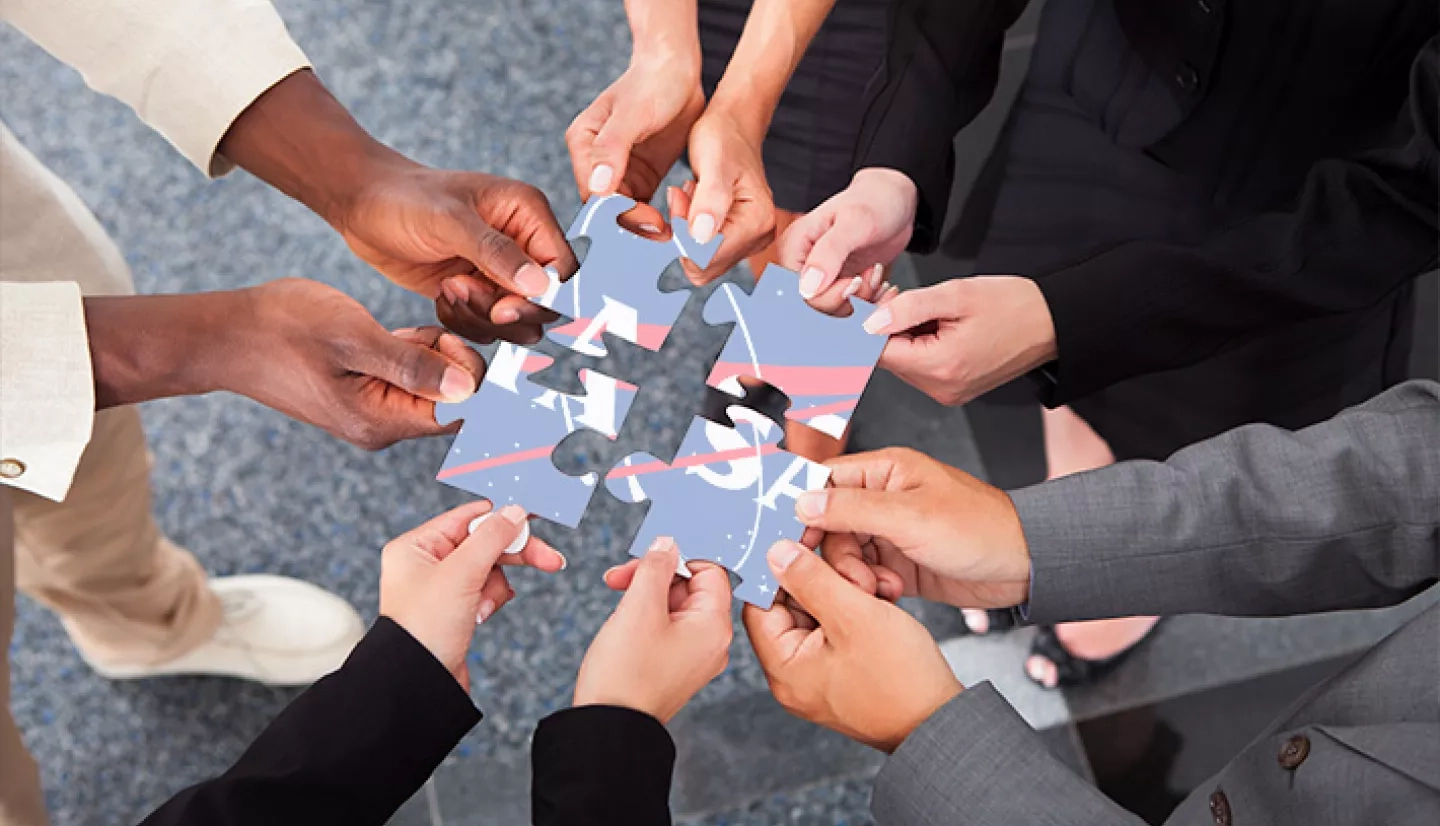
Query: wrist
column 1041, row 346
column 299, row 139
column 945, row 690
column 747, row 110
column 153, row 347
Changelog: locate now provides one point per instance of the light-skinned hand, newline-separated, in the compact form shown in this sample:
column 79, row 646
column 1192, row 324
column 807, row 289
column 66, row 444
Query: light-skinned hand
column 965, row 337
column 439, row 581
column 667, row 639
column 857, row 233
column 842, row 658
column 899, row 523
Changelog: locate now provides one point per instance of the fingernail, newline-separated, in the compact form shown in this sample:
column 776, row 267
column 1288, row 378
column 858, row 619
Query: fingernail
column 532, row 280
column 600, row 178
column 447, row 289
column 506, row 315
column 702, row 229
column 461, row 291
column 661, row 543
column 878, row 321
column 810, row 282
column 487, row 607
column 456, row 385
column 854, row 287
column 877, row 274
column 403, row 331
column 512, row 593
column 514, row 514
column 649, row 228
column 564, row 563
column 812, row 505
column 782, row 554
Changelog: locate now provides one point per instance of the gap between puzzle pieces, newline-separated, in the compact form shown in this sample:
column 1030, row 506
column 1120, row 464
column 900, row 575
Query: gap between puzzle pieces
column 725, row 498
column 619, row 284
column 821, row 362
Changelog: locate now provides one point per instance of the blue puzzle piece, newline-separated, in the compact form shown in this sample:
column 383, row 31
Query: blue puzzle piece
column 617, row 288
column 821, row 362
column 727, row 497
column 512, row 425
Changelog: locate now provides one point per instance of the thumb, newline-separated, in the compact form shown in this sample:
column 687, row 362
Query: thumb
column 819, row 589
column 884, row 513
column 470, row 564
column 911, row 309
column 494, row 254
column 609, row 153
column 649, row 590
column 831, row 250
column 414, row 368
column 714, row 189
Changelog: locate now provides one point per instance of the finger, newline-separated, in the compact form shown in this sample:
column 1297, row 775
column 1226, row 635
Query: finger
column 472, row 320
column 835, row 299
column 609, row 153
column 470, row 564
column 441, row 535
column 650, row 586
column 677, row 203
column 708, row 589
column 646, row 221
column 844, row 554
column 414, row 368
column 794, row 245
column 619, row 577
column 714, row 193
column 487, row 300
column 450, row 346
column 890, row 514
column 537, row 554
column 494, row 595
column 495, row 255
column 827, row 257
column 912, row 308
column 774, row 634
column 580, row 137
column 824, row 594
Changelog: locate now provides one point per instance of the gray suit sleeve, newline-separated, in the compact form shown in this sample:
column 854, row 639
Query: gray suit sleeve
column 975, row 761
column 1258, row 521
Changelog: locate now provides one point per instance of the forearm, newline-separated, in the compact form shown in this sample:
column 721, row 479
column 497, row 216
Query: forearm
column 299, row 139
column 600, row 765
column 665, row 33
column 350, row 749
column 1258, row 521
column 157, row 346
column 975, row 761
column 776, row 34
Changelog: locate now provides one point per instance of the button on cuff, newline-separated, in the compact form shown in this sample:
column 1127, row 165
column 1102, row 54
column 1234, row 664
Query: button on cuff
column 11, row 468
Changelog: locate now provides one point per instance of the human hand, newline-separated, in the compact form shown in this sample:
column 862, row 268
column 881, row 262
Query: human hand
column 667, row 639
column 899, row 523
column 439, row 581
column 314, row 354
column 857, row 233
column 977, row 334
column 729, row 192
column 839, row 657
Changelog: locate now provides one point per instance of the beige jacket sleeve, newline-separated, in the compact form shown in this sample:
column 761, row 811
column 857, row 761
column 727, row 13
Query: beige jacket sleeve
column 47, row 394
column 187, row 67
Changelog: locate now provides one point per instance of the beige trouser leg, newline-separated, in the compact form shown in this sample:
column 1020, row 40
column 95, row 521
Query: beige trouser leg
column 20, row 803
column 124, row 592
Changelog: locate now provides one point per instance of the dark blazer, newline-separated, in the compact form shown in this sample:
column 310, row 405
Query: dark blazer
column 1308, row 128
column 356, row 745
column 1260, row 521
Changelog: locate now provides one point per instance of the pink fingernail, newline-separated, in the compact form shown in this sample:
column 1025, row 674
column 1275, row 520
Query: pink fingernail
column 810, row 282
column 600, row 178
column 532, row 280
column 456, row 385
column 702, row 229
column 506, row 315
column 514, row 514
column 854, row 287
column 487, row 608
column 782, row 554
column 812, row 505
column 878, row 321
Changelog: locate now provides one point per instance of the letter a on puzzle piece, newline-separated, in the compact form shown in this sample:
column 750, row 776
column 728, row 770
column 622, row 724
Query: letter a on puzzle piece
column 821, row 362
column 727, row 497
column 511, row 427
column 618, row 286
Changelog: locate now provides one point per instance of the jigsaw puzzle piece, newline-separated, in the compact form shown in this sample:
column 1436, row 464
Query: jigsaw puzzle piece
column 820, row 361
column 726, row 498
column 617, row 287
column 511, row 426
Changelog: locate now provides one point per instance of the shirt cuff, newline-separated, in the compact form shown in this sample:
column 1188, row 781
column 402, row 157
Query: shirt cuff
column 217, row 68
column 47, row 392
column 609, row 763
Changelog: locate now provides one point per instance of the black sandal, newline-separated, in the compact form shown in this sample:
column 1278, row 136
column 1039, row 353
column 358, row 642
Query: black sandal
column 1070, row 670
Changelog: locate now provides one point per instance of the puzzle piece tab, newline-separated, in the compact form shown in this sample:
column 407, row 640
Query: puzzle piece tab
column 618, row 286
column 511, row 427
column 821, row 362
column 727, row 497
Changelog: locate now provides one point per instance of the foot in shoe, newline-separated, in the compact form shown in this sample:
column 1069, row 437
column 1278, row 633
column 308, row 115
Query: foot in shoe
column 275, row 630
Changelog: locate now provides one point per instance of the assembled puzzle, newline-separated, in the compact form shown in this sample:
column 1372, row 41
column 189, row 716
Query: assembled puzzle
column 728, row 491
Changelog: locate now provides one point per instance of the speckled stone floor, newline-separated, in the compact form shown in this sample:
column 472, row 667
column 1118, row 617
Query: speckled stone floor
column 480, row 84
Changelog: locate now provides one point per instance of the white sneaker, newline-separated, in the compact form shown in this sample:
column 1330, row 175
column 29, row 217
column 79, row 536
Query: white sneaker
column 275, row 630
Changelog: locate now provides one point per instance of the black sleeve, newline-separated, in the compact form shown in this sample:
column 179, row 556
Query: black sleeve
column 351, row 749
column 1361, row 228
column 942, row 61
column 601, row 765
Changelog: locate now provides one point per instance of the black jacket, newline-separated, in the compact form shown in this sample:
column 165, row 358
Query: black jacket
column 356, row 745
column 1312, row 126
